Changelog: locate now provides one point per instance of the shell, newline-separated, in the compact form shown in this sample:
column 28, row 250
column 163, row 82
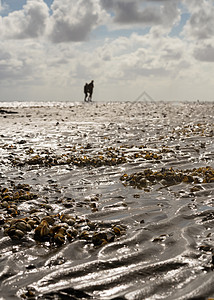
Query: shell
column 54, row 229
column 15, row 234
column 49, row 219
column 57, row 229
column 42, row 231
column 98, row 238
column 59, row 238
column 70, row 220
column 84, row 235
column 71, row 234
column 45, row 230
column 117, row 230
column 22, row 225
column 31, row 223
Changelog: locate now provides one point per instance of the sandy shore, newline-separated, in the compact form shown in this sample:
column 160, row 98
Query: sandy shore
column 106, row 200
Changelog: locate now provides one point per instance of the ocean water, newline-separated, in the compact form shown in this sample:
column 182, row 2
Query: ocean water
column 141, row 173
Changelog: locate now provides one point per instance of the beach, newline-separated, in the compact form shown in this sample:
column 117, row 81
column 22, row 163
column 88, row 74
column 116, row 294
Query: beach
column 107, row 200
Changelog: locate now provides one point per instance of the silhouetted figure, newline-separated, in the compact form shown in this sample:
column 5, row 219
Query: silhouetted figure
column 90, row 90
column 86, row 92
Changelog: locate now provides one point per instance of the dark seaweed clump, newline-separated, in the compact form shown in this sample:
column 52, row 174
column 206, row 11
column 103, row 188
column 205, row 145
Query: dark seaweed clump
column 168, row 177
column 57, row 229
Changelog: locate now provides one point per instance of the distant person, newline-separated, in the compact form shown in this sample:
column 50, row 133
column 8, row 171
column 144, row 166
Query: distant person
column 90, row 90
column 86, row 92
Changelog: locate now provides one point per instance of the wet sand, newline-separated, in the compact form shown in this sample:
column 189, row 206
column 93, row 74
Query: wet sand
column 123, row 194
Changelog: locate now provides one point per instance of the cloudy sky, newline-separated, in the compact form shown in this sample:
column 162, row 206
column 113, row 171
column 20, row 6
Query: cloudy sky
column 50, row 48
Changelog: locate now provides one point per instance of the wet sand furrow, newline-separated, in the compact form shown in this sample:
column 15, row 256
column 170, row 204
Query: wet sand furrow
column 73, row 156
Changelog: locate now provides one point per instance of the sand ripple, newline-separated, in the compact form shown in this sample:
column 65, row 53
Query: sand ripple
column 72, row 158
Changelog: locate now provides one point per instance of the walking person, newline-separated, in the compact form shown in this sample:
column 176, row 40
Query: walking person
column 90, row 90
column 86, row 92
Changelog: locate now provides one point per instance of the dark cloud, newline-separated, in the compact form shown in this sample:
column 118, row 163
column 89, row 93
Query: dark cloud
column 205, row 53
column 74, row 23
column 36, row 16
column 107, row 4
column 200, row 25
column 63, row 31
column 132, row 11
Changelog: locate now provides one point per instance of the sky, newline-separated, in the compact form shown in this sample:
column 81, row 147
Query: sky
column 50, row 49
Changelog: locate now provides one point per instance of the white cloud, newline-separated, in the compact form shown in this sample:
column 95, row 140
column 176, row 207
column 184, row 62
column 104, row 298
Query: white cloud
column 200, row 26
column 52, row 53
column 27, row 23
column 73, row 20
column 22, row 62
column 70, row 21
column 139, row 57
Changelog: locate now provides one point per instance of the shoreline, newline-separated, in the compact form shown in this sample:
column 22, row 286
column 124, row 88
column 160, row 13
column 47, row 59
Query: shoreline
column 41, row 103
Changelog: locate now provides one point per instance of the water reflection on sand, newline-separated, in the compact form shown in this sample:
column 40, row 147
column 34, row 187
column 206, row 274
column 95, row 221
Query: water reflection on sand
column 72, row 155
